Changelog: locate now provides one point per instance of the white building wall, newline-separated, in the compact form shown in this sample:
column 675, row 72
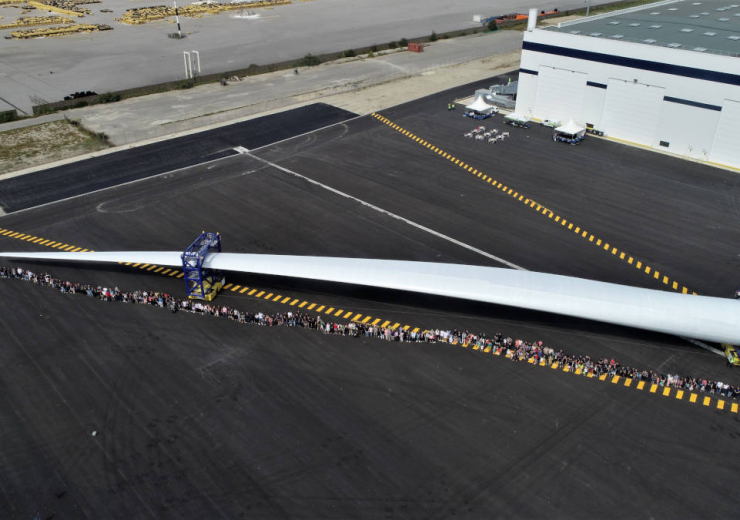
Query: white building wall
column 725, row 148
column 691, row 128
column 593, row 106
column 526, row 95
column 675, row 118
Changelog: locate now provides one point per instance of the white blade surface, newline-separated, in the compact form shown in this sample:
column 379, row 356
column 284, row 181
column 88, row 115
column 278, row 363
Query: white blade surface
column 701, row 317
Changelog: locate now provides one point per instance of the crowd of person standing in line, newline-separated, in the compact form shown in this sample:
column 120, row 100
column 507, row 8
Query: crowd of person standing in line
column 515, row 350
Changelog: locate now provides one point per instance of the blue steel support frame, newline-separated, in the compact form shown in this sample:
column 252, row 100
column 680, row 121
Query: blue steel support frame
column 198, row 281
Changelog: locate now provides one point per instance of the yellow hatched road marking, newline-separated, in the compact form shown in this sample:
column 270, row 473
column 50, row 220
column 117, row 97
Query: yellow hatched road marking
column 294, row 302
column 160, row 269
column 357, row 317
column 349, row 313
column 244, row 290
column 165, row 272
column 322, row 307
column 602, row 377
column 554, row 365
column 152, row 267
column 706, row 401
column 276, row 298
column 628, row 382
column 302, row 305
column 720, row 404
column 693, row 398
column 679, row 394
column 666, row 391
column 375, row 321
column 311, row 306
column 173, row 273
column 395, row 326
column 544, row 210
column 653, row 388
column 259, row 295
column 340, row 311
column 286, row 299
column 385, row 324
column 641, row 385
column 250, row 293
column 615, row 379
column 143, row 266
column 733, row 408
column 367, row 318
column 236, row 288
column 180, row 275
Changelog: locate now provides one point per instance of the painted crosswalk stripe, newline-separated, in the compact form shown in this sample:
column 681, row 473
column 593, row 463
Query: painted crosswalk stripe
column 244, row 290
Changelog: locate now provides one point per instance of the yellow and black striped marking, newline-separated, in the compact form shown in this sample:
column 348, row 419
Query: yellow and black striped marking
column 542, row 210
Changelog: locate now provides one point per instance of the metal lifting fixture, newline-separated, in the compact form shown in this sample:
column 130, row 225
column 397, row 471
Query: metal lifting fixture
column 200, row 283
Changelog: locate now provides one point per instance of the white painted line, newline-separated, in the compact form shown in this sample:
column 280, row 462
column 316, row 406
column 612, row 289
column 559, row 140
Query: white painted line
column 241, row 149
column 704, row 346
column 392, row 215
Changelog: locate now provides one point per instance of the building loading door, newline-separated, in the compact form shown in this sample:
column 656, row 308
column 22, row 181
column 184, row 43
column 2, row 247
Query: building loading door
column 560, row 94
column 726, row 144
column 631, row 111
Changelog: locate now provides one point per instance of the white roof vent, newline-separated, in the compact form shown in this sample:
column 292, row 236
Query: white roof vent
column 595, row 34
column 710, row 33
column 674, row 45
column 617, row 36
column 635, row 24
column 654, row 13
column 704, row 13
column 723, row 19
column 687, row 30
column 649, row 40
column 656, row 26
column 733, row 38
column 613, row 23
column 673, row 8
column 575, row 32
column 700, row 49
column 696, row 3
column 694, row 16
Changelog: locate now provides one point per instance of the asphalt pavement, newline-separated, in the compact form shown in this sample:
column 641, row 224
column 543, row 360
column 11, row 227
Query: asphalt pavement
column 200, row 417
column 108, row 170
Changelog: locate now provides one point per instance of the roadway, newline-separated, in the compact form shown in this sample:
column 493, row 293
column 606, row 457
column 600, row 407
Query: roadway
column 205, row 418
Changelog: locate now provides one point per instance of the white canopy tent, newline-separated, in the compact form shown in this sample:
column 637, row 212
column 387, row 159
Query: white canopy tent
column 571, row 128
column 480, row 106
column 700, row 317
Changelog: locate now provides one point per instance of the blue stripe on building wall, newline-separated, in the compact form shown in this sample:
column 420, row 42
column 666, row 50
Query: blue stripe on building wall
column 653, row 66
column 527, row 71
column 692, row 103
column 594, row 84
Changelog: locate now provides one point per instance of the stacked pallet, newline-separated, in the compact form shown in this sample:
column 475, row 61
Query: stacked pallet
column 59, row 30
column 30, row 21
column 148, row 14
column 57, row 8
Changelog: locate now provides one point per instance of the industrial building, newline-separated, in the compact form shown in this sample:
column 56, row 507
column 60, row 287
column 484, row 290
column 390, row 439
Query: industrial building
column 665, row 75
